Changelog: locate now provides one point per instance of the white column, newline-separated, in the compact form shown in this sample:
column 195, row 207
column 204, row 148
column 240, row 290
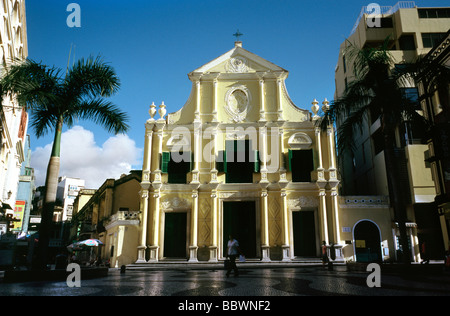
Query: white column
column 262, row 114
column 213, row 255
column 335, row 206
column 194, row 228
column 197, row 153
column 281, row 148
column 263, row 152
column 145, row 185
column 159, row 139
column 333, row 183
column 155, row 206
column 144, row 218
column 285, row 226
column 279, row 96
column 331, row 151
column 323, row 215
column 146, row 172
column 197, row 101
column 213, row 153
column 265, row 247
column 319, row 147
column 154, row 247
column 213, row 249
column 214, row 112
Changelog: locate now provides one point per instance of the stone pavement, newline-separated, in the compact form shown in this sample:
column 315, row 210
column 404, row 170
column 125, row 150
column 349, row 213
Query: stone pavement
column 252, row 282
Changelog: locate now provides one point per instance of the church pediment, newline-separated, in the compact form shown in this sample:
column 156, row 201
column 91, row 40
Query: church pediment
column 238, row 61
column 238, row 87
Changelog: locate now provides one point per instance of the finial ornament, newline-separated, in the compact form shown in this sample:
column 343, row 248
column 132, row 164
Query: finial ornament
column 152, row 111
column 315, row 108
column 162, row 110
column 326, row 105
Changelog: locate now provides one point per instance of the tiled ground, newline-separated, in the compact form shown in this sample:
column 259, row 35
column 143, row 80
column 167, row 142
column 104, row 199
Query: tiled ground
column 260, row 282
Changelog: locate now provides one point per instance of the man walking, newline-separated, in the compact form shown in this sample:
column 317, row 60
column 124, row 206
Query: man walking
column 233, row 252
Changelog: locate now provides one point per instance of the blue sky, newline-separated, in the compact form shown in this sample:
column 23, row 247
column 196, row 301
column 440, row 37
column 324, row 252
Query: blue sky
column 154, row 44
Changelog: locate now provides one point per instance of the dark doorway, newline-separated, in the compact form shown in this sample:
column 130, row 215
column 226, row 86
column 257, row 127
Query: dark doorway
column 304, row 233
column 429, row 230
column 239, row 220
column 175, row 235
column 367, row 242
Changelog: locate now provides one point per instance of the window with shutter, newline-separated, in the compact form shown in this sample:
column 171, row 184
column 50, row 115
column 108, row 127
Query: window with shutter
column 238, row 161
column 301, row 163
column 177, row 171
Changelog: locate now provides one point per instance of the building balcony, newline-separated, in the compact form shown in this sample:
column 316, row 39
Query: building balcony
column 87, row 228
column 122, row 218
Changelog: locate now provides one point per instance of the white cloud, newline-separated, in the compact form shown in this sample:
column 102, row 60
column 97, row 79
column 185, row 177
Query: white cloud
column 82, row 158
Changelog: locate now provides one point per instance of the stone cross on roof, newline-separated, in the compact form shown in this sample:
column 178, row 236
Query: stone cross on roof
column 237, row 35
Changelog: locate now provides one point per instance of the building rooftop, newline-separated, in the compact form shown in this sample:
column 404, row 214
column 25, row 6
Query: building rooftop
column 382, row 10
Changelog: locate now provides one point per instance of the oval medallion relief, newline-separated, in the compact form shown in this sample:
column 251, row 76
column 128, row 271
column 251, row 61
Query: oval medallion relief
column 237, row 103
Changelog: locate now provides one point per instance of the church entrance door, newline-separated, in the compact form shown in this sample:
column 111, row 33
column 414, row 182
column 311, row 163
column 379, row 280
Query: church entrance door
column 304, row 234
column 239, row 220
column 175, row 224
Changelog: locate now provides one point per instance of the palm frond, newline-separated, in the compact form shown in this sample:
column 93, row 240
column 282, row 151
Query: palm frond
column 33, row 83
column 369, row 60
column 102, row 112
column 43, row 120
column 350, row 128
column 91, row 77
column 358, row 95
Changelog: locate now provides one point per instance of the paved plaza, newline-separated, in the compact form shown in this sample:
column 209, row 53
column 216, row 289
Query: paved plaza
column 254, row 282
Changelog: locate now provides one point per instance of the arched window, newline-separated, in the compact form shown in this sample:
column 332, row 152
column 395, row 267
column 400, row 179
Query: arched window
column 367, row 241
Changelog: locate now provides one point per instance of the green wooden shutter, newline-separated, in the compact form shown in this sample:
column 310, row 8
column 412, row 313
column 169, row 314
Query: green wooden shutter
column 289, row 163
column 165, row 159
column 221, row 163
column 191, row 163
column 256, row 166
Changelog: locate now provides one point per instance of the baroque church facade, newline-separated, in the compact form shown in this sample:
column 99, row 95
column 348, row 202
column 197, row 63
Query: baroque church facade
column 240, row 158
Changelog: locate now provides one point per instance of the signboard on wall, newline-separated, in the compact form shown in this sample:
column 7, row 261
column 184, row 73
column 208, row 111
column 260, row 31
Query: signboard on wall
column 19, row 211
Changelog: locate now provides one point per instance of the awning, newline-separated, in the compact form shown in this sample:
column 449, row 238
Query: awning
column 5, row 206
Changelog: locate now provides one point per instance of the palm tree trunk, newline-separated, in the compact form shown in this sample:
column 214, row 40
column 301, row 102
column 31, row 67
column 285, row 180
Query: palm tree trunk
column 51, row 186
column 396, row 191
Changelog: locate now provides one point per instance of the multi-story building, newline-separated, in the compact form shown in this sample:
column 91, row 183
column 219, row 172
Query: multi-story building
column 111, row 214
column 25, row 192
column 13, row 120
column 435, row 100
column 68, row 189
column 412, row 32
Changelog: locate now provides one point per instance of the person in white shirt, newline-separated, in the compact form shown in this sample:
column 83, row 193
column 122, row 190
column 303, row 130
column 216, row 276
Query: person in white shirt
column 232, row 253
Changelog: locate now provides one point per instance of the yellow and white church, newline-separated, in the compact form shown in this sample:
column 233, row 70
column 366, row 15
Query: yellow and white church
column 240, row 158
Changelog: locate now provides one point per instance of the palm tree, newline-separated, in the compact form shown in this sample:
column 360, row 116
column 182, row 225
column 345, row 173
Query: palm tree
column 376, row 91
column 56, row 100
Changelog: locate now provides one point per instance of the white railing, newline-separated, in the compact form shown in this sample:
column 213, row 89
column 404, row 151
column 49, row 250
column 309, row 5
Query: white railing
column 402, row 5
column 383, row 10
column 122, row 216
